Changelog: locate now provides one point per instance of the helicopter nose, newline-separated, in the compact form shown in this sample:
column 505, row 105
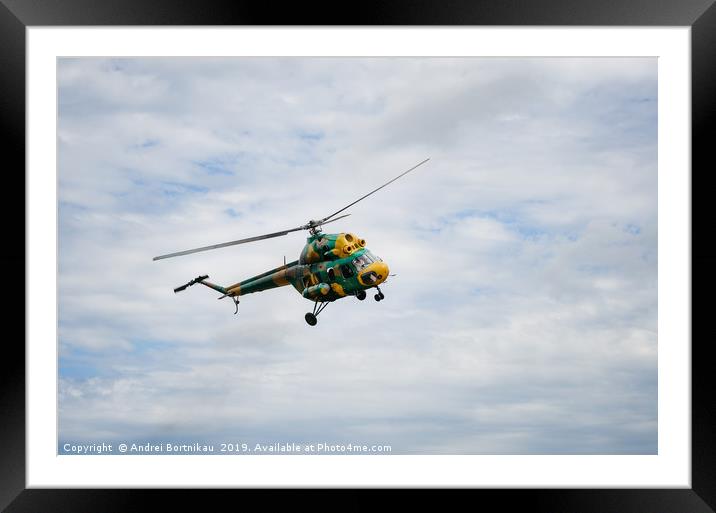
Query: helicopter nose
column 381, row 268
column 375, row 274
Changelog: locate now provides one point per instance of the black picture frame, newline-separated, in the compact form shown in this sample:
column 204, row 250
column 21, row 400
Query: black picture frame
column 16, row 15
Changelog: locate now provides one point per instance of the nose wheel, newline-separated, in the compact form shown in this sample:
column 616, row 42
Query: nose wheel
column 379, row 296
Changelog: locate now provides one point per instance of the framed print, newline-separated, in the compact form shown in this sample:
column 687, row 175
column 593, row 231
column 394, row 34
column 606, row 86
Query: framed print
column 528, row 333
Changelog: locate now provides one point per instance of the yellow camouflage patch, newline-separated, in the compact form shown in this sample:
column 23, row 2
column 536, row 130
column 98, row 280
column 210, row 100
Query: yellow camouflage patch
column 347, row 243
column 338, row 289
column 279, row 278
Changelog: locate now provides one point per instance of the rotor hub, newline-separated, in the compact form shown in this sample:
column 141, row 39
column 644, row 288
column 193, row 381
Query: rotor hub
column 313, row 226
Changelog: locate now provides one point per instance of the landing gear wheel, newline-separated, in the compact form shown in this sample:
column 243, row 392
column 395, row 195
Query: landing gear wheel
column 379, row 296
column 360, row 295
column 312, row 318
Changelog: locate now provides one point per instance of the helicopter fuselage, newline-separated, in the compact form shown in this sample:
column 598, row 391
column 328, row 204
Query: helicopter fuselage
column 331, row 266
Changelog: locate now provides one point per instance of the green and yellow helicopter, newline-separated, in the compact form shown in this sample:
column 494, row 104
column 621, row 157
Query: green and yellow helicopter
column 330, row 267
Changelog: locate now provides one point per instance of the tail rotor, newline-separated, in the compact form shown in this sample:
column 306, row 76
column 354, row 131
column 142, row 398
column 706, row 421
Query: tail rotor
column 198, row 279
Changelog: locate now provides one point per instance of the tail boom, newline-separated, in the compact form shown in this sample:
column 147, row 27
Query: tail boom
column 278, row 277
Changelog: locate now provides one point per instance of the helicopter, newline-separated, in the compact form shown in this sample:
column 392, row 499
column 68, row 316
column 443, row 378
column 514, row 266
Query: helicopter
column 331, row 266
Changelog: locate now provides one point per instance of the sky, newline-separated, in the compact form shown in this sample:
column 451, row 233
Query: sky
column 522, row 317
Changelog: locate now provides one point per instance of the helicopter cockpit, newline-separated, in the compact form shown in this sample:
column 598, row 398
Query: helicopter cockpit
column 365, row 259
column 371, row 269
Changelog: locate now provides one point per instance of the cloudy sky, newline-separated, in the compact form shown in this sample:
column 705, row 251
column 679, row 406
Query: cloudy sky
column 523, row 317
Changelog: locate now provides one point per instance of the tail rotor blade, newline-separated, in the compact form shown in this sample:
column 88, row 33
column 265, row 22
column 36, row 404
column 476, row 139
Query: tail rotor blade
column 198, row 279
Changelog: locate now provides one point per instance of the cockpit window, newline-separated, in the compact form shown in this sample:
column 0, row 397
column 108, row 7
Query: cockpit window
column 362, row 261
column 346, row 271
column 373, row 257
column 369, row 277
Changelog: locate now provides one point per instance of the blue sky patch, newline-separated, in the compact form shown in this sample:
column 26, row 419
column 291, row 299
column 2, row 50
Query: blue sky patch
column 214, row 167
column 177, row 189
column 311, row 136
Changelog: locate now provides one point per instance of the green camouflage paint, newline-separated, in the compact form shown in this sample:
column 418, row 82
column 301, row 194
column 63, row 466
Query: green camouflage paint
column 331, row 266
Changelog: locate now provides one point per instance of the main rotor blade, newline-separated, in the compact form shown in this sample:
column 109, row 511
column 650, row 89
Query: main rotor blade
column 310, row 226
column 243, row 241
column 225, row 244
column 374, row 190
column 336, row 219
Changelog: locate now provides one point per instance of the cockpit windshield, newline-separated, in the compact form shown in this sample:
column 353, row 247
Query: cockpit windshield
column 364, row 260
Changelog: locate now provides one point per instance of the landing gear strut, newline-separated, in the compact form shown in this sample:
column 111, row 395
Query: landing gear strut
column 312, row 318
column 379, row 296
